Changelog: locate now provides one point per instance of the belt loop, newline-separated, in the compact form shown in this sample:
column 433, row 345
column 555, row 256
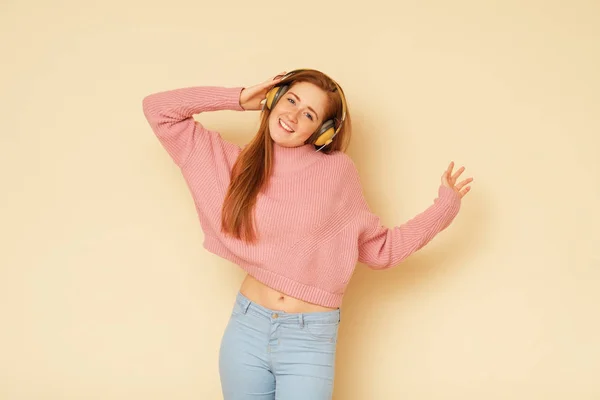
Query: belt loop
column 245, row 307
column 301, row 317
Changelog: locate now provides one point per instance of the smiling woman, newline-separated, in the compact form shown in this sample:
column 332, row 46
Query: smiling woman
column 296, row 117
column 288, row 208
column 301, row 109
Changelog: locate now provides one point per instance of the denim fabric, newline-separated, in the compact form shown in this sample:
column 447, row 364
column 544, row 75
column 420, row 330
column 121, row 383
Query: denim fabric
column 272, row 355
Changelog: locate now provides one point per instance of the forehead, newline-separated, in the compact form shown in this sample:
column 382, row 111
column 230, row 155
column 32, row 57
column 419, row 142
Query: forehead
column 310, row 95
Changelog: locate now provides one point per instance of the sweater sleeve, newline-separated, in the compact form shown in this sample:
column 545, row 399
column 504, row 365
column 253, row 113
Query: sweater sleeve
column 381, row 247
column 170, row 115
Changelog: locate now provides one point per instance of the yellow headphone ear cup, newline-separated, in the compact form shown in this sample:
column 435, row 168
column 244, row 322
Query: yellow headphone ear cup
column 271, row 96
column 326, row 137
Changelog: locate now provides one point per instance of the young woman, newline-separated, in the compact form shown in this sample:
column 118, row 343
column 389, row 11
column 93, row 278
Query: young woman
column 287, row 208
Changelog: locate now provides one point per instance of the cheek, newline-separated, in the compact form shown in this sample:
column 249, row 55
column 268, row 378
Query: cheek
column 273, row 121
column 307, row 128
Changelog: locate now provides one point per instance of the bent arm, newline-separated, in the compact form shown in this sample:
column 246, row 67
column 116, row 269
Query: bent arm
column 170, row 115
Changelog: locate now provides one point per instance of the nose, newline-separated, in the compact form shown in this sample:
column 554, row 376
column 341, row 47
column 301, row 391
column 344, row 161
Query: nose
column 293, row 115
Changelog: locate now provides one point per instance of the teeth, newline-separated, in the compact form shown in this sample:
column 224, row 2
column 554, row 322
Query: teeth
column 287, row 128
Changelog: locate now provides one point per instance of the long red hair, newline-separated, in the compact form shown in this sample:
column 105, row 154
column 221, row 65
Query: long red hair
column 252, row 169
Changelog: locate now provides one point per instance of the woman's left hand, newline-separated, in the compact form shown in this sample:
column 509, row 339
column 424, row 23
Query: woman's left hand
column 449, row 180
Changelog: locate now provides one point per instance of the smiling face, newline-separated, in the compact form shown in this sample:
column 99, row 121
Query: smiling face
column 298, row 114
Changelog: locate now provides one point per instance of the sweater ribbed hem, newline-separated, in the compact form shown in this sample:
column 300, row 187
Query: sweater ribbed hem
column 278, row 282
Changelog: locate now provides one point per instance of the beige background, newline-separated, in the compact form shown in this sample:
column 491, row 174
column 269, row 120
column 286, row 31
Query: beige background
column 106, row 292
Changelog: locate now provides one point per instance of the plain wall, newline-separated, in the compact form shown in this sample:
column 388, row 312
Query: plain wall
column 106, row 291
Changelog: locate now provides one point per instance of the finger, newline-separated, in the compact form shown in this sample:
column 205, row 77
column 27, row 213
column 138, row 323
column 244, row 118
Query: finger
column 465, row 191
column 458, row 172
column 460, row 185
column 276, row 78
column 271, row 82
column 446, row 174
column 449, row 169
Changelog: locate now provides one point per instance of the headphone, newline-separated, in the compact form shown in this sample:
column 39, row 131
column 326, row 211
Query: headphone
column 328, row 130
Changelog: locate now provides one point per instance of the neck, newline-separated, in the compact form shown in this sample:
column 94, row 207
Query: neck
column 293, row 159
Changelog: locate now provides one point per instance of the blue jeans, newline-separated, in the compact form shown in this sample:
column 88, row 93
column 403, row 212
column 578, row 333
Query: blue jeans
column 272, row 355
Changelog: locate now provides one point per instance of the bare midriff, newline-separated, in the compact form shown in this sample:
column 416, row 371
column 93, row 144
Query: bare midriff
column 267, row 297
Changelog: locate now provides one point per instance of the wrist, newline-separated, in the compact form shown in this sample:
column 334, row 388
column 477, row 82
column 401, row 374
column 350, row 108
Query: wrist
column 240, row 101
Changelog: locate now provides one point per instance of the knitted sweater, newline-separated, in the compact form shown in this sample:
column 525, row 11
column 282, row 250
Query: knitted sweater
column 312, row 221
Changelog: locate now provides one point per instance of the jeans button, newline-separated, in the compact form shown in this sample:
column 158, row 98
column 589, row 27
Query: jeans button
column 275, row 315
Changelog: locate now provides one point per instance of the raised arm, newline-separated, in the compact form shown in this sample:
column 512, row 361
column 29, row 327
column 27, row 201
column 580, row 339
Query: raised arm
column 382, row 247
column 170, row 115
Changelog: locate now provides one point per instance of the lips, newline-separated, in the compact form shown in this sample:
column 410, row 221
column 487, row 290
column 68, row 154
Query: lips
column 285, row 126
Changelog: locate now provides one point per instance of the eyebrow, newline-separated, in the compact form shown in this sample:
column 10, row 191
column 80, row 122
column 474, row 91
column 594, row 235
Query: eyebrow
column 309, row 107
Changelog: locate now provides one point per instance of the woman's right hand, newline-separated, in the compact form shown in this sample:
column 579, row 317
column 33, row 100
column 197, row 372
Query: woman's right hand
column 251, row 97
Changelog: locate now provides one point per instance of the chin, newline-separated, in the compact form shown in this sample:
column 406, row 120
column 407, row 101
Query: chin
column 282, row 143
column 279, row 137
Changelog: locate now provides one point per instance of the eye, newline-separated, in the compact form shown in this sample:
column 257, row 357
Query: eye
column 291, row 100
column 309, row 116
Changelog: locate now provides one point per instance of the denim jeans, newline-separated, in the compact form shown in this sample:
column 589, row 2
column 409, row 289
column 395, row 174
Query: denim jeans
column 272, row 355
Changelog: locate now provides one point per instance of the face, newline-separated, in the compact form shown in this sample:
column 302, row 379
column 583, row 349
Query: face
column 297, row 114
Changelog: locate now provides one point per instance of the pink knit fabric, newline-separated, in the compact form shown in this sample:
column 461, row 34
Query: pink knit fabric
column 312, row 221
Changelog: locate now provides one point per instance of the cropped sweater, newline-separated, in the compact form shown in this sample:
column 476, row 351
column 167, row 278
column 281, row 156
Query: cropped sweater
column 312, row 221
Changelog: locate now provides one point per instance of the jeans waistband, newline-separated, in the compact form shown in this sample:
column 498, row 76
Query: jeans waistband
column 282, row 317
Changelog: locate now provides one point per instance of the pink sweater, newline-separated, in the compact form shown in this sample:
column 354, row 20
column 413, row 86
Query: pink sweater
column 312, row 221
